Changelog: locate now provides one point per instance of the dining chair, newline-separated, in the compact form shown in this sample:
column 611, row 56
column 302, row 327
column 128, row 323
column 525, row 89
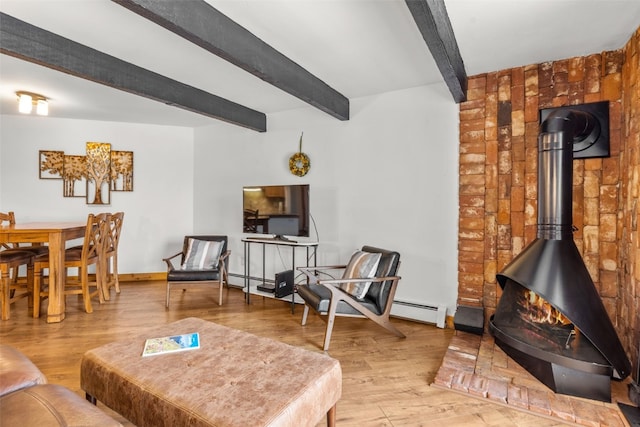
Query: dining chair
column 10, row 291
column 110, row 258
column 80, row 257
column 9, row 218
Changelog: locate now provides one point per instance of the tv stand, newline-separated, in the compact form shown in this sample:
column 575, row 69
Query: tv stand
column 264, row 241
column 271, row 239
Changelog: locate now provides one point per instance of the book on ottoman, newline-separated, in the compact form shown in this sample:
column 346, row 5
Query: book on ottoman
column 171, row 344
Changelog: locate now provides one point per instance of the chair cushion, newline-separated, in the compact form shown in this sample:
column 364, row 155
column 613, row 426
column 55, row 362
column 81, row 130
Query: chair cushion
column 202, row 255
column 361, row 265
column 318, row 297
column 193, row 275
column 11, row 256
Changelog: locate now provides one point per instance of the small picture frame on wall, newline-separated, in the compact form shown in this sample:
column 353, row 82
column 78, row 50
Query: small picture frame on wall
column 50, row 164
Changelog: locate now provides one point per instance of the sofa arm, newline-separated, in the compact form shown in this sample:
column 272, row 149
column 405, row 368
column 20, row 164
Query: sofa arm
column 17, row 371
column 51, row 405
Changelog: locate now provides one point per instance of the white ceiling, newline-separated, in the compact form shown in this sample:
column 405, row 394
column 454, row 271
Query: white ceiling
column 358, row 47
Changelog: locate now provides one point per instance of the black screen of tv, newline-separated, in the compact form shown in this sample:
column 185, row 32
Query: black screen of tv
column 278, row 210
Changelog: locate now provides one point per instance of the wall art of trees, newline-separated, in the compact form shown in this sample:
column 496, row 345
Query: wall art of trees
column 92, row 176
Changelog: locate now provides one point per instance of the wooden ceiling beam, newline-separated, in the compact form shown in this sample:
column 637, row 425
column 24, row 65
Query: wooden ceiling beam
column 205, row 26
column 33, row 44
column 433, row 22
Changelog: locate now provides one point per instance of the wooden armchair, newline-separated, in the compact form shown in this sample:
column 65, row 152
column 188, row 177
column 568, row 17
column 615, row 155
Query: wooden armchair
column 339, row 297
column 203, row 261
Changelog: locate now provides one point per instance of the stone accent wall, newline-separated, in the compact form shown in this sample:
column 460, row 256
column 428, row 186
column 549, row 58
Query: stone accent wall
column 629, row 271
column 498, row 177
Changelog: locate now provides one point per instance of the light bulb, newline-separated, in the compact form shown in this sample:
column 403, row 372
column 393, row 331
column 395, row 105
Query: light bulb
column 26, row 104
column 42, row 107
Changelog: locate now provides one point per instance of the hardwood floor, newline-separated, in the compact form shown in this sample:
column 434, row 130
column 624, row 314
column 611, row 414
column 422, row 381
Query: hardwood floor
column 386, row 380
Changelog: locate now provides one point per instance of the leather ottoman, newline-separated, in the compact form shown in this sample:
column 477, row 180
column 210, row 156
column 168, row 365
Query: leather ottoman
column 233, row 379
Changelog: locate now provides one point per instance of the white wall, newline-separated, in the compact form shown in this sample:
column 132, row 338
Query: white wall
column 158, row 213
column 388, row 177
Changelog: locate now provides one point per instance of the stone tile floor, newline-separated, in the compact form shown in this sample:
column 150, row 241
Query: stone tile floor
column 474, row 365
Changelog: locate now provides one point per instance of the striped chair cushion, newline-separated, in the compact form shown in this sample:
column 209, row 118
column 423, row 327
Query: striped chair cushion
column 202, row 255
column 362, row 265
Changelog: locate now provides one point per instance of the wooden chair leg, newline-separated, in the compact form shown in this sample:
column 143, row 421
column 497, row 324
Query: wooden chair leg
column 5, row 284
column 115, row 273
column 331, row 317
column 30, row 284
column 168, row 292
column 305, row 313
column 221, row 283
column 37, row 289
column 86, row 295
column 327, row 333
column 102, row 282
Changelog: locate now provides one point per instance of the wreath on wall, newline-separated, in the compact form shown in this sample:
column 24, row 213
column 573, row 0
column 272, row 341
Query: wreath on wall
column 299, row 163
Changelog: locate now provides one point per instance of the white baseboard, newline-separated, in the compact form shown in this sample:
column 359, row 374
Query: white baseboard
column 420, row 312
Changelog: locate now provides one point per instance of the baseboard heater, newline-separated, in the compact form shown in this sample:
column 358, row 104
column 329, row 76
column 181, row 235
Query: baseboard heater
column 420, row 312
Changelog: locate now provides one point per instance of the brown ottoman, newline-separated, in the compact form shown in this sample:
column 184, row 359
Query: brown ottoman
column 233, row 379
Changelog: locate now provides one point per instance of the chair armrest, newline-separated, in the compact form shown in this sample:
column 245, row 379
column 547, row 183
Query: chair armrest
column 168, row 261
column 224, row 256
column 333, row 282
column 312, row 272
column 338, row 294
column 222, row 266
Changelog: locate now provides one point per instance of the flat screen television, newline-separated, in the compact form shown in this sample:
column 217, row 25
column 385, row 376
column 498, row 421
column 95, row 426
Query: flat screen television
column 281, row 211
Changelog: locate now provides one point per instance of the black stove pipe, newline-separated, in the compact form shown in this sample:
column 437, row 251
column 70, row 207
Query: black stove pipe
column 558, row 133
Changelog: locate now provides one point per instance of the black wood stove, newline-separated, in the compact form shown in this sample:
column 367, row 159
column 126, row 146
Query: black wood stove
column 550, row 318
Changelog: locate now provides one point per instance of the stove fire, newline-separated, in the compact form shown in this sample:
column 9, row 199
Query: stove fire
column 550, row 318
column 537, row 310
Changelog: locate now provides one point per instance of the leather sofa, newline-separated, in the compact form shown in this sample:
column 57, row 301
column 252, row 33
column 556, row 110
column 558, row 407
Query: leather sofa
column 26, row 399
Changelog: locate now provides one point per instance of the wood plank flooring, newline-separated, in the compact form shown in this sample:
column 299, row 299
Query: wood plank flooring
column 386, row 380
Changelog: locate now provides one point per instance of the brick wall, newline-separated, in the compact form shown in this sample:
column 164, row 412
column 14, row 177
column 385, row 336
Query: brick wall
column 498, row 177
column 628, row 308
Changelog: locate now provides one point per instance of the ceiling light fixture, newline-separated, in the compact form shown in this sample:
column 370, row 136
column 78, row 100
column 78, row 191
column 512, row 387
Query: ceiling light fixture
column 26, row 101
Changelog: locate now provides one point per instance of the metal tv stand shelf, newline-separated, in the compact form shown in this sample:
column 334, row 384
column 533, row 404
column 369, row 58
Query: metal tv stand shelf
column 278, row 242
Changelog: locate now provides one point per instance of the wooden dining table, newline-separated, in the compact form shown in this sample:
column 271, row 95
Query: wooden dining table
column 55, row 234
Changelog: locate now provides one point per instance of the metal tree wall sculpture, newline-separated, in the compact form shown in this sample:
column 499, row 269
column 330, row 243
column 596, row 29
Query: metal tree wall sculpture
column 98, row 169
column 93, row 176
column 75, row 169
